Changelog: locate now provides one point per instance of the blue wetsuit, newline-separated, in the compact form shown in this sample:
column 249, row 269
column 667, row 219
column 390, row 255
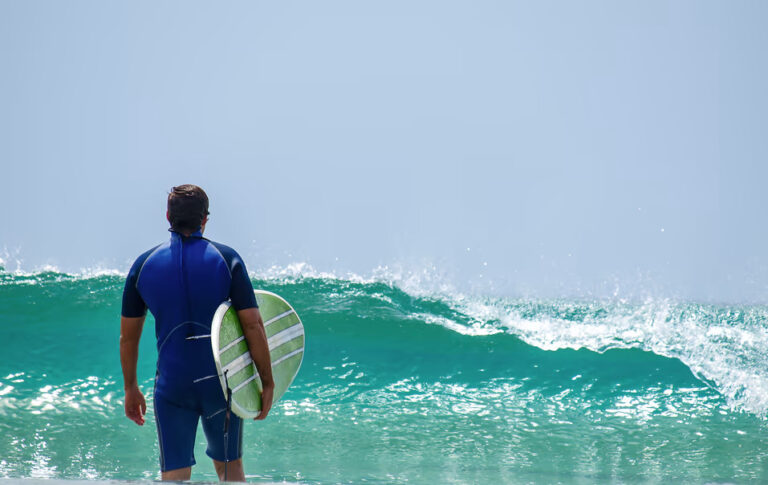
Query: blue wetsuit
column 182, row 282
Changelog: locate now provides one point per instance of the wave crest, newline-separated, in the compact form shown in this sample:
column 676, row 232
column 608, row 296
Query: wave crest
column 724, row 346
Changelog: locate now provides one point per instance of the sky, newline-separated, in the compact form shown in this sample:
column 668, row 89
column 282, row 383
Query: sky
column 548, row 148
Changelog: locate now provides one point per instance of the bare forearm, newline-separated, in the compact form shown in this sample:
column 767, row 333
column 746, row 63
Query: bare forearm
column 256, row 336
column 130, row 333
column 129, row 357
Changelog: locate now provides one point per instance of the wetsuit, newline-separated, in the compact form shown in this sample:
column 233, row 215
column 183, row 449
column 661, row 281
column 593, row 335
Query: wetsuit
column 182, row 282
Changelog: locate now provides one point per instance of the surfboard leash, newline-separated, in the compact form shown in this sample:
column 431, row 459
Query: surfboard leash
column 226, row 424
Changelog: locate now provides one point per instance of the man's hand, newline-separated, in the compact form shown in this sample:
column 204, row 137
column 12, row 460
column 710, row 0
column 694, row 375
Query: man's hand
column 266, row 400
column 135, row 405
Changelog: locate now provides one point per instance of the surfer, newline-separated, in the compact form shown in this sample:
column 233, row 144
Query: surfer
column 182, row 282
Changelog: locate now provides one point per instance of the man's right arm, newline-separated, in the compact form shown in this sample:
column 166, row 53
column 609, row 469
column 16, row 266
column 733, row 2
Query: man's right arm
column 130, row 334
column 253, row 329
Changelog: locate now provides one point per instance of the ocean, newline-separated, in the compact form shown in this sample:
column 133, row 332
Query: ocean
column 406, row 384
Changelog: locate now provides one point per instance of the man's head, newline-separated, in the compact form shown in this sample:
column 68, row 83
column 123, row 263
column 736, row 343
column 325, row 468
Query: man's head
column 187, row 208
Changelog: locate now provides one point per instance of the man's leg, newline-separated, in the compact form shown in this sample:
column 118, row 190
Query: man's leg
column 225, row 447
column 176, row 428
column 222, row 446
column 235, row 471
column 177, row 475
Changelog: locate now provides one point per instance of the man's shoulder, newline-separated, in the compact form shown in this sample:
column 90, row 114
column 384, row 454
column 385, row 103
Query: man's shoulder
column 139, row 262
column 226, row 251
column 149, row 252
column 230, row 256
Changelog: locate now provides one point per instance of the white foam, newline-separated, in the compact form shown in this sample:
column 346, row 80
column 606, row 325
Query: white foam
column 730, row 356
column 419, row 282
column 83, row 273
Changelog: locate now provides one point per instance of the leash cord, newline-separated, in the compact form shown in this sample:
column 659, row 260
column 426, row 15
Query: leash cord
column 226, row 424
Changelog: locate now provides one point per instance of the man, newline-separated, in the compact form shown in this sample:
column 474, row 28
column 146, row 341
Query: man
column 182, row 282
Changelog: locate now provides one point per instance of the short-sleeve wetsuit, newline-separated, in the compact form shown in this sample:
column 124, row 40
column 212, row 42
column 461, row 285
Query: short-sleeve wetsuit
column 182, row 282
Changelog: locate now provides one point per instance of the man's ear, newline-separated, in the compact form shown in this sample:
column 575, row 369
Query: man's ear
column 168, row 215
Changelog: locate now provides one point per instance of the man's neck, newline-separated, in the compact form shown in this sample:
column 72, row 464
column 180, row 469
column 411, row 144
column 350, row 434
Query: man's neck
column 188, row 233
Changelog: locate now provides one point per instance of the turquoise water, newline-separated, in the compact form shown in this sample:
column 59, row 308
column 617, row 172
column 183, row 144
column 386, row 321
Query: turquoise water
column 402, row 385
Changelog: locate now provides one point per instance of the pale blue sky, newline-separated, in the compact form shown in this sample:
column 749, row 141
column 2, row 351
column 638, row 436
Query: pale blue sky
column 574, row 147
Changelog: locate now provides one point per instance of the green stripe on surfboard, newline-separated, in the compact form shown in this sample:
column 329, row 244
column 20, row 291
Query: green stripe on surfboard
column 285, row 334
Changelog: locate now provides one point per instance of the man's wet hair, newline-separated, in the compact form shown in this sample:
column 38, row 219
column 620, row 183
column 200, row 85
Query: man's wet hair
column 187, row 207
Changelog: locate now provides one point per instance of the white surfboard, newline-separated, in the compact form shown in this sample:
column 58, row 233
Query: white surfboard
column 285, row 336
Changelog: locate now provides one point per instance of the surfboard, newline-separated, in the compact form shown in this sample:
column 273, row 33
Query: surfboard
column 236, row 369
